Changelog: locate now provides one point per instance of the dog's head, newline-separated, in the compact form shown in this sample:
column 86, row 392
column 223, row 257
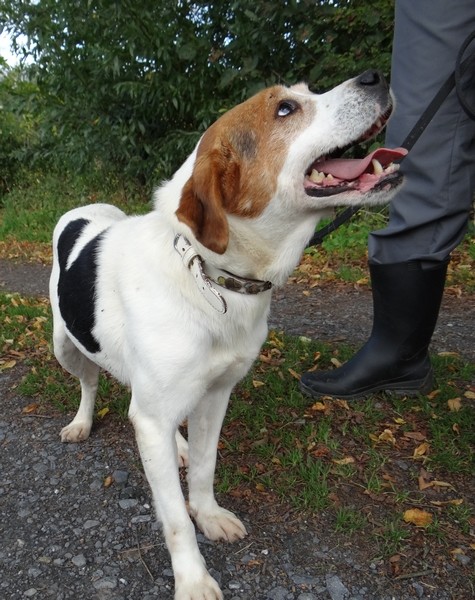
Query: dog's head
column 277, row 147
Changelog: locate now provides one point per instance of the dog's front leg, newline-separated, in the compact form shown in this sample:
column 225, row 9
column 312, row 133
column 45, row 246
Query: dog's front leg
column 204, row 426
column 158, row 450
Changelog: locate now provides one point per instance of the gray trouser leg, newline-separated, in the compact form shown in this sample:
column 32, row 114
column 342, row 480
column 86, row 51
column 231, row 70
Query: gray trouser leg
column 429, row 216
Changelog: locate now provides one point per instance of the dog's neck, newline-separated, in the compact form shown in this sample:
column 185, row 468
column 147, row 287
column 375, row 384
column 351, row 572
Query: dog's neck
column 257, row 252
column 207, row 278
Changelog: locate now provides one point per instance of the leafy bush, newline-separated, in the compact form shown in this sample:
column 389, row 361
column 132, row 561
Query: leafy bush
column 17, row 127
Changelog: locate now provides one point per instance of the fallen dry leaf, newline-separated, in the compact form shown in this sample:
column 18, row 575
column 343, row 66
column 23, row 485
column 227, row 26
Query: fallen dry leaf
column 318, row 406
column 108, row 481
column 395, row 564
column 454, row 404
column 348, row 460
column 424, row 482
column 294, row 374
column 470, row 395
column 253, row 563
column 417, row 517
column 454, row 502
column 415, row 435
column 260, row 442
column 9, row 364
column 256, row 383
column 421, row 450
column 444, row 484
column 31, row 408
column 320, row 451
column 103, row 412
column 423, row 479
column 387, row 436
column 343, row 403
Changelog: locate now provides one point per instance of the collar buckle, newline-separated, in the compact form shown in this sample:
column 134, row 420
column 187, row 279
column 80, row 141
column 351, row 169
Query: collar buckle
column 242, row 285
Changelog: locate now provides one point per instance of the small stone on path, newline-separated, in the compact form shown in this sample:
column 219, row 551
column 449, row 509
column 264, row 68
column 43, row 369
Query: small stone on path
column 336, row 589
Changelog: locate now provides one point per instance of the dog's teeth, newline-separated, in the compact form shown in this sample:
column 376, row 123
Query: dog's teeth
column 316, row 176
column 377, row 167
column 391, row 168
column 379, row 123
column 330, row 177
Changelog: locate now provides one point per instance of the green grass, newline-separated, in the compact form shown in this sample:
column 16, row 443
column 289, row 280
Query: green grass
column 349, row 520
column 462, row 516
column 30, row 211
column 350, row 247
column 392, row 537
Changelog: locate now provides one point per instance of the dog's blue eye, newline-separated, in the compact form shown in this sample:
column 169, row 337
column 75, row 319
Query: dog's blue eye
column 286, row 108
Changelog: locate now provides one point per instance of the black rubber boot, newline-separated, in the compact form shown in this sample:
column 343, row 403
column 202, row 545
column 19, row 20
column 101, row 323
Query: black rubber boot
column 406, row 303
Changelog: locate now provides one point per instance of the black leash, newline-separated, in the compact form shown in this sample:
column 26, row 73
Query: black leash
column 454, row 80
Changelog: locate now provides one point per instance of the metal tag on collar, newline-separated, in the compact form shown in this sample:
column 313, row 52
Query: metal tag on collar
column 193, row 261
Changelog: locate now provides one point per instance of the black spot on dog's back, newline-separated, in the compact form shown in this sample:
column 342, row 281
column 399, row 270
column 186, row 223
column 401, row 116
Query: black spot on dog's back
column 67, row 240
column 77, row 285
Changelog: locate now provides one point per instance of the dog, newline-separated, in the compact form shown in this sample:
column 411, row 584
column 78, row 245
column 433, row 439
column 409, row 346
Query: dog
column 174, row 303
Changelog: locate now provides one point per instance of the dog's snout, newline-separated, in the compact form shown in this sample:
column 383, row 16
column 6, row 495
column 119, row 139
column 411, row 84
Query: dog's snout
column 371, row 77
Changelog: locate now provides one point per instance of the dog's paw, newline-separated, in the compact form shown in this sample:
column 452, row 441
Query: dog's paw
column 182, row 447
column 204, row 589
column 220, row 524
column 76, row 431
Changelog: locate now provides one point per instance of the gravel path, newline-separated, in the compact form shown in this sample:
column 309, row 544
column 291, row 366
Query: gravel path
column 67, row 535
column 76, row 520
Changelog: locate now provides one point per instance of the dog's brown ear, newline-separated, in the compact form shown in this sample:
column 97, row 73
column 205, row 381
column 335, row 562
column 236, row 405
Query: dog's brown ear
column 210, row 189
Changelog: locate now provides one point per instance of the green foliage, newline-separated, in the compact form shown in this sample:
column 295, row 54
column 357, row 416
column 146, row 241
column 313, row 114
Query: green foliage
column 130, row 87
column 17, row 127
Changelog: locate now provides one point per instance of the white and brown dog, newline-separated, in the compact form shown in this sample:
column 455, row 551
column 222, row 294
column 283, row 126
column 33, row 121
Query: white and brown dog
column 175, row 303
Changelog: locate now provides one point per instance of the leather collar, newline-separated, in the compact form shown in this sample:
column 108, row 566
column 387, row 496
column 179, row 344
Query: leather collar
column 193, row 261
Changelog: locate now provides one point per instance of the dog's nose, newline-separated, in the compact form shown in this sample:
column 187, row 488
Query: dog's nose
column 371, row 77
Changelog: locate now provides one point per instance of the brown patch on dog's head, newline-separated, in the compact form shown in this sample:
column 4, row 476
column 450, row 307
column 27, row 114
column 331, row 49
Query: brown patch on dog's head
column 238, row 162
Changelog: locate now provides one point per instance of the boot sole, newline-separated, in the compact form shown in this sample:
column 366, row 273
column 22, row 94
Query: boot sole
column 399, row 388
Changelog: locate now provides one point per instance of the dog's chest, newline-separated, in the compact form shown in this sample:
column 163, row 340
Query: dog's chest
column 231, row 359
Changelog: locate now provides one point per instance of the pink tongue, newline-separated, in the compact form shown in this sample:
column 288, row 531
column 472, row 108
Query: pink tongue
column 352, row 168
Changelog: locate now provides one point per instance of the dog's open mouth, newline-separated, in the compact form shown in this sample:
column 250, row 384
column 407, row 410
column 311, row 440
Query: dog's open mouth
column 330, row 176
